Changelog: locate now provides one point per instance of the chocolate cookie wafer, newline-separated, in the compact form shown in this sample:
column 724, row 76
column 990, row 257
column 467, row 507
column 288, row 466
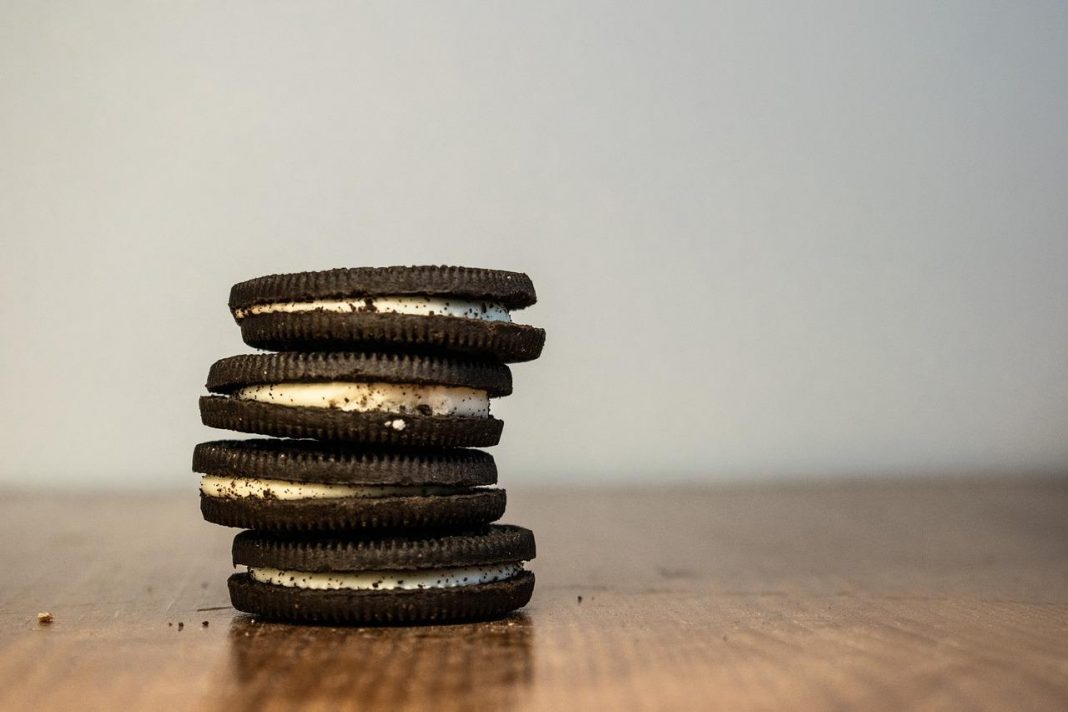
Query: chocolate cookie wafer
column 433, row 309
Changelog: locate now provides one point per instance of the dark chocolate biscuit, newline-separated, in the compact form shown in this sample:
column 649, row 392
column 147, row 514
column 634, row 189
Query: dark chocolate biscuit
column 306, row 486
column 306, row 461
column 432, row 309
column 463, row 509
column 451, row 577
column 229, row 374
column 493, row 544
column 371, row 428
column 379, row 399
column 485, row 601
column 511, row 289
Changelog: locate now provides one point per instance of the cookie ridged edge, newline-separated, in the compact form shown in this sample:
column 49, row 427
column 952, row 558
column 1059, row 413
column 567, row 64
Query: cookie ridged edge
column 513, row 290
column 229, row 374
column 350, row 514
column 375, row 428
column 494, row 544
column 321, row 330
column 483, row 601
column 303, row 461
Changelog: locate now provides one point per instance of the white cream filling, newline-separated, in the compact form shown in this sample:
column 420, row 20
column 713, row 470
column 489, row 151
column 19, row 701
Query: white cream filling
column 400, row 398
column 386, row 580
column 253, row 487
column 422, row 306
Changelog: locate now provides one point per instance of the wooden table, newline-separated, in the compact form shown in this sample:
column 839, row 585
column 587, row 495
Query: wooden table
column 891, row 596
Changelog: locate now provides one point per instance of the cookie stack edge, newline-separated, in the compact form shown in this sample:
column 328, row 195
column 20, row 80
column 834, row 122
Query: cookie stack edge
column 386, row 386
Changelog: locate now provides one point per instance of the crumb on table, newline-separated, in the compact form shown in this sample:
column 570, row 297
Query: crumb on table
column 44, row 617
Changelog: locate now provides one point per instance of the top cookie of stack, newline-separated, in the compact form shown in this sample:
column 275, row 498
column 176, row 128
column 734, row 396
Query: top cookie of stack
column 390, row 308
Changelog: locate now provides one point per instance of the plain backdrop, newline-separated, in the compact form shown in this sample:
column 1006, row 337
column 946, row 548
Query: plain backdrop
column 770, row 240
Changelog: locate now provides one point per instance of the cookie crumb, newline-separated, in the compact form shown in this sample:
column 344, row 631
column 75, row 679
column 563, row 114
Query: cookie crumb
column 181, row 625
column 203, row 624
column 580, row 599
column 169, row 624
column 44, row 617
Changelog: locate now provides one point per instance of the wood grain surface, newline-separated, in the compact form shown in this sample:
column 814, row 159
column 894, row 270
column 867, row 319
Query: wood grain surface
column 876, row 597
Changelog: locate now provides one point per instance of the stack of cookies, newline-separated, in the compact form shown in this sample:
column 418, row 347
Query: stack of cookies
column 367, row 505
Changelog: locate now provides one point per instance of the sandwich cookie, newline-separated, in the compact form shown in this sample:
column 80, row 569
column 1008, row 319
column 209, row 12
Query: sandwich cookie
column 434, row 309
column 299, row 485
column 388, row 399
column 451, row 577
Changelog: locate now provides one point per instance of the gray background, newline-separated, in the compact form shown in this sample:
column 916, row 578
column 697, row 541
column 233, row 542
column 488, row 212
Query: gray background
column 770, row 240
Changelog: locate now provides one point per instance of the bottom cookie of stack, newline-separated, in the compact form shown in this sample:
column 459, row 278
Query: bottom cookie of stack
column 475, row 575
